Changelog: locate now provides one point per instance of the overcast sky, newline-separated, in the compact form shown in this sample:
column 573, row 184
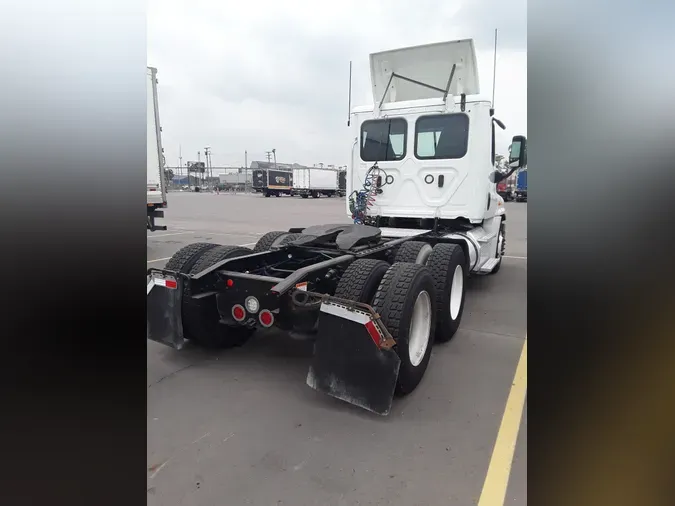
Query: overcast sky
column 257, row 75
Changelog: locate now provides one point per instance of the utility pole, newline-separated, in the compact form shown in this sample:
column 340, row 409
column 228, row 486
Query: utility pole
column 245, row 170
column 274, row 152
column 209, row 172
column 180, row 162
column 269, row 156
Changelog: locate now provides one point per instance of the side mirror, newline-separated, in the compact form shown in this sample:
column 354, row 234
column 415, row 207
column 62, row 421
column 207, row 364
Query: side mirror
column 518, row 152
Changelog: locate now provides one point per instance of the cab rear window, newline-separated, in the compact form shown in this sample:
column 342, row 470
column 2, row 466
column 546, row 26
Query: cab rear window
column 384, row 140
column 443, row 136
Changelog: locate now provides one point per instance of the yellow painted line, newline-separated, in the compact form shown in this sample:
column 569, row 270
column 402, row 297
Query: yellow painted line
column 499, row 470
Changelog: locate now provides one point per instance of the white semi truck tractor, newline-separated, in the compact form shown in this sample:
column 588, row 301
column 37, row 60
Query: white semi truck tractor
column 377, row 294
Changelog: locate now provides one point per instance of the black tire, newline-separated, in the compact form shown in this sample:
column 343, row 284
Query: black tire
column 267, row 194
column 361, row 280
column 394, row 301
column 444, row 260
column 201, row 320
column 304, row 195
column 289, row 238
column 183, row 259
column 500, row 254
column 266, row 241
column 414, row 252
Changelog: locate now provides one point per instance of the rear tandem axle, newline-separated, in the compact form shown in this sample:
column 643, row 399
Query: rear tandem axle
column 374, row 307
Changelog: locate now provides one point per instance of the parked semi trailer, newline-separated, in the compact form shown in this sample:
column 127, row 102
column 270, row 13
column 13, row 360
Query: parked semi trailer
column 275, row 182
column 342, row 183
column 314, row 182
column 375, row 295
column 156, row 183
column 521, row 186
column 505, row 191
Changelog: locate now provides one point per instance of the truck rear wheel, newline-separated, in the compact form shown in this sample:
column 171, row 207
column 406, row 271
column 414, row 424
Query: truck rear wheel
column 267, row 240
column 406, row 303
column 183, row 259
column 414, row 252
column 201, row 320
column 447, row 265
column 361, row 280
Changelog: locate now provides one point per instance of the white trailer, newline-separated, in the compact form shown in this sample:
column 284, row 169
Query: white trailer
column 156, row 182
column 315, row 182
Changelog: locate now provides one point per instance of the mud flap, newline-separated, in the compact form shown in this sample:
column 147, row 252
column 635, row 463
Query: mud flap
column 164, row 310
column 348, row 363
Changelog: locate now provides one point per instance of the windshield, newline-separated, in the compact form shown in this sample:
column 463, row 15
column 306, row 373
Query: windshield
column 383, row 140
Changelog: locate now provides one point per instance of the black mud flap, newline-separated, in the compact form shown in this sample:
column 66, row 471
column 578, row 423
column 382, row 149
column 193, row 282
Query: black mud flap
column 349, row 364
column 164, row 311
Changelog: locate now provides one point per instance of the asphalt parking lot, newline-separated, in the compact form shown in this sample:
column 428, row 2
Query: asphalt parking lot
column 240, row 427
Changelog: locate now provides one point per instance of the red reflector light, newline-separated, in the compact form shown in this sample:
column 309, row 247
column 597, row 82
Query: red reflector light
column 171, row 283
column 229, row 283
column 266, row 318
column 374, row 334
column 238, row 312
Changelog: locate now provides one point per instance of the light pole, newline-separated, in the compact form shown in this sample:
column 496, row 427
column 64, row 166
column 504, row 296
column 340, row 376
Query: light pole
column 207, row 153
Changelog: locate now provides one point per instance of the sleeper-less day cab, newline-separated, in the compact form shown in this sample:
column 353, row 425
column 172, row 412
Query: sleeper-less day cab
column 376, row 295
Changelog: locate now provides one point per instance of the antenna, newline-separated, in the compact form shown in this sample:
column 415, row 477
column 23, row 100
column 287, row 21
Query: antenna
column 494, row 77
column 349, row 112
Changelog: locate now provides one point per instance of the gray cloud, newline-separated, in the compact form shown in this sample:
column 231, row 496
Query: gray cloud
column 260, row 76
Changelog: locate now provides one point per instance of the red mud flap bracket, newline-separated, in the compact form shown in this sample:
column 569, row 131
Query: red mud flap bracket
column 164, row 308
column 353, row 357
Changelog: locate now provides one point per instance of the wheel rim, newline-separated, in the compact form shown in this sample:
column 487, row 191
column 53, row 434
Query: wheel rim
column 456, row 292
column 420, row 327
column 424, row 254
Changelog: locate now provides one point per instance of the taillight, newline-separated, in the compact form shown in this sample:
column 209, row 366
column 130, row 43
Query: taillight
column 266, row 318
column 238, row 312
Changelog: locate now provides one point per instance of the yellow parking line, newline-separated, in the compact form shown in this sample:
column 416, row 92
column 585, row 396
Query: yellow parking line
column 499, row 470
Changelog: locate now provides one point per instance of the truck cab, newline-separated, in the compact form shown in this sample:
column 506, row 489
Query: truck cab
column 434, row 147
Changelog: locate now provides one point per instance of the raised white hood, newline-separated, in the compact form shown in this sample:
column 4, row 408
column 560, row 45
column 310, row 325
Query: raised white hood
column 430, row 64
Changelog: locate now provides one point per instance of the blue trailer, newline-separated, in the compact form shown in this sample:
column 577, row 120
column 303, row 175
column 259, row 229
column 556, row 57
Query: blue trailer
column 521, row 186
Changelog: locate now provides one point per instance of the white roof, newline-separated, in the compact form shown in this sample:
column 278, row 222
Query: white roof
column 430, row 64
